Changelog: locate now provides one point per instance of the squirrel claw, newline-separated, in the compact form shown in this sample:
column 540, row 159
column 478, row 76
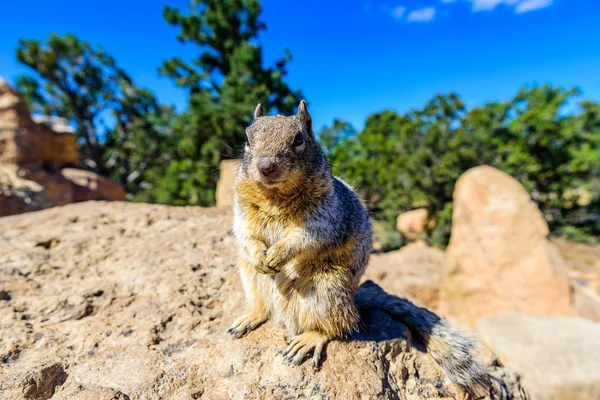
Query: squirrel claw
column 245, row 324
column 302, row 345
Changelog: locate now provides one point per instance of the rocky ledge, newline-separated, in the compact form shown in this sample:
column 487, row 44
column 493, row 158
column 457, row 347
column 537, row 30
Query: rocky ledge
column 115, row 300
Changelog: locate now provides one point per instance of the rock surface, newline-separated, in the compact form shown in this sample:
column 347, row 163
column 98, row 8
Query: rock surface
column 558, row 357
column 228, row 171
column 499, row 257
column 117, row 300
column 586, row 301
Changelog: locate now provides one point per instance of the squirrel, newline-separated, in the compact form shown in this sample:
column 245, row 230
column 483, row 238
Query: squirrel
column 304, row 242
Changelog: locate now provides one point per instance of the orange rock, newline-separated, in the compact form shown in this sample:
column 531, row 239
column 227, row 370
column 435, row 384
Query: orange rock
column 499, row 257
column 412, row 223
column 17, row 130
column 88, row 185
column 18, row 193
column 229, row 169
column 56, row 142
column 56, row 186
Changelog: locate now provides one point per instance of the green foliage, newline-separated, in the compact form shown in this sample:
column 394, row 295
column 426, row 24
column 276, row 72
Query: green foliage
column 401, row 162
column 83, row 84
column 398, row 162
column 225, row 82
column 575, row 234
column 386, row 237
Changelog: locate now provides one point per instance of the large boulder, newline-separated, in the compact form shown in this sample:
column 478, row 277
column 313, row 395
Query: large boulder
column 228, row 171
column 124, row 300
column 558, row 357
column 499, row 257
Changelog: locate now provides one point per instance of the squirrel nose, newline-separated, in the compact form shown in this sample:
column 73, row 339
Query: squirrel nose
column 267, row 166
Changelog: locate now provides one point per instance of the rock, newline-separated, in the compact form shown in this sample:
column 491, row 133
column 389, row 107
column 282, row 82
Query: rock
column 56, row 148
column 32, row 153
column 19, row 194
column 224, row 194
column 4, row 295
column 88, row 185
column 56, row 186
column 412, row 223
column 38, row 383
column 499, row 257
column 558, row 357
column 586, row 301
column 33, row 142
column 17, row 130
column 416, row 271
column 133, row 300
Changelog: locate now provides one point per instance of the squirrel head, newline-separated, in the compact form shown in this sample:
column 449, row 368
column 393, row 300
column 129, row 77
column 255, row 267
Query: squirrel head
column 281, row 151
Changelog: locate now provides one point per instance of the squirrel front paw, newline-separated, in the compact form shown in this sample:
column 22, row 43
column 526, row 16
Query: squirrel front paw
column 259, row 260
column 277, row 256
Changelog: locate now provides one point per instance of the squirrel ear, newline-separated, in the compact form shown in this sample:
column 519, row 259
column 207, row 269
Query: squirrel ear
column 303, row 114
column 258, row 112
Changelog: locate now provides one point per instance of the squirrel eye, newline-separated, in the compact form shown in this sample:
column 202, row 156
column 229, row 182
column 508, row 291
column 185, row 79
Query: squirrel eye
column 298, row 140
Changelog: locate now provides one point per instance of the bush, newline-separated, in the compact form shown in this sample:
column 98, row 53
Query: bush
column 399, row 162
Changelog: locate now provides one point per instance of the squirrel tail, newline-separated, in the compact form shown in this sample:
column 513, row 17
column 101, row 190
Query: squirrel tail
column 450, row 348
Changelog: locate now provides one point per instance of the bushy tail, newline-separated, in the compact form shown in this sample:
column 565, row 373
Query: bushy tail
column 452, row 350
column 449, row 347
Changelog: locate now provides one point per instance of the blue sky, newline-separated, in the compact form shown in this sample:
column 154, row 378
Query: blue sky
column 355, row 57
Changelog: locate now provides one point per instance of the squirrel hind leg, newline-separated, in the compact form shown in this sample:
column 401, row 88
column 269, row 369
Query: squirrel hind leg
column 301, row 346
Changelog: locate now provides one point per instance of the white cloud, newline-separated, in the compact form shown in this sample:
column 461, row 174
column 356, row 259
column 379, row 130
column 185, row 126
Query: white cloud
column 398, row 12
column 531, row 5
column 489, row 5
column 421, row 15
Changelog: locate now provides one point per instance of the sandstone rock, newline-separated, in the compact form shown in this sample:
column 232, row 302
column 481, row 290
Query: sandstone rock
column 558, row 357
column 88, row 185
column 586, row 301
column 37, row 149
column 55, row 185
column 33, row 142
column 499, row 257
column 19, row 194
column 17, row 130
column 38, row 383
column 14, row 113
column 415, row 271
column 133, row 300
column 56, row 142
column 228, row 171
column 412, row 223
